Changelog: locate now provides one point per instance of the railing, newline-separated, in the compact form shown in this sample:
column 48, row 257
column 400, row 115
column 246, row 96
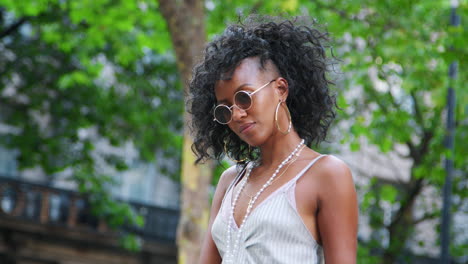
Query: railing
column 48, row 205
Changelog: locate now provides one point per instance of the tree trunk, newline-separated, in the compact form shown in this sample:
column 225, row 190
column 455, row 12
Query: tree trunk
column 399, row 232
column 185, row 21
column 402, row 225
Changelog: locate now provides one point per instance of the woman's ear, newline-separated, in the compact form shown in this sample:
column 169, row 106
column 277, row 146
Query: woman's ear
column 282, row 88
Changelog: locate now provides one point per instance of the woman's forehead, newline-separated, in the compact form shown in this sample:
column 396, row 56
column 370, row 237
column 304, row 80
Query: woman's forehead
column 248, row 71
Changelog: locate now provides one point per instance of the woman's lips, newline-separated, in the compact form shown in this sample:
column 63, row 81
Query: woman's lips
column 246, row 127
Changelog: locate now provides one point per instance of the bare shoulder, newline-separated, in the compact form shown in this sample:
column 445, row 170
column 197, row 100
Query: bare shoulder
column 326, row 169
column 226, row 178
column 328, row 175
column 224, row 181
column 337, row 210
column 331, row 168
column 334, row 178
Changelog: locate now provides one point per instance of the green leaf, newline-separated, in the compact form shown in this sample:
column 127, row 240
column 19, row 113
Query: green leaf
column 385, row 144
column 388, row 193
column 355, row 146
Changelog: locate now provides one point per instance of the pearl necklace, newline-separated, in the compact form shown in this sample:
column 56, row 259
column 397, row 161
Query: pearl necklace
column 230, row 254
column 279, row 176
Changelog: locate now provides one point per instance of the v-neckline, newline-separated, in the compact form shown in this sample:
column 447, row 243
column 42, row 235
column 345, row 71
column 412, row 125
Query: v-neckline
column 269, row 197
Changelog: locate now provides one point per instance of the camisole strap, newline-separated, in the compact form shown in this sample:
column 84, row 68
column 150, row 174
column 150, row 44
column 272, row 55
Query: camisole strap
column 239, row 175
column 299, row 175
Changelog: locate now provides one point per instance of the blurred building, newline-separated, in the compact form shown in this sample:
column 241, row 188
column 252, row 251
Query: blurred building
column 45, row 221
column 393, row 169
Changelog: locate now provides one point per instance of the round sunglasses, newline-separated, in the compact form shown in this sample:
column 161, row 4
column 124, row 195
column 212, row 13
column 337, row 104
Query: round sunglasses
column 242, row 100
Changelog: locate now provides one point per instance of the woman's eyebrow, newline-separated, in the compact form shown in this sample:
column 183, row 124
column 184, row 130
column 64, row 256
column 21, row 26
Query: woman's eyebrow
column 242, row 86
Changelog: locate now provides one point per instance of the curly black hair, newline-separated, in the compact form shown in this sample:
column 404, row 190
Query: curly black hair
column 297, row 49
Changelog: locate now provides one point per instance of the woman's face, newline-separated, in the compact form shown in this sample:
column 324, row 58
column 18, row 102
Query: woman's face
column 257, row 124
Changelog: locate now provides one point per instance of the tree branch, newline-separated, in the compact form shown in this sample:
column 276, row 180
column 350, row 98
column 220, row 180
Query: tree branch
column 425, row 217
column 375, row 97
column 417, row 109
column 13, row 27
column 407, row 204
column 417, row 152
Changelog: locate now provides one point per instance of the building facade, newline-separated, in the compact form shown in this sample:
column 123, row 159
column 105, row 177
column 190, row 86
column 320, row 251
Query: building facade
column 51, row 223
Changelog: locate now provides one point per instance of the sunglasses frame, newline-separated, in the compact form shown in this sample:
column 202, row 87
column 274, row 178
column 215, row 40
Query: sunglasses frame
column 250, row 94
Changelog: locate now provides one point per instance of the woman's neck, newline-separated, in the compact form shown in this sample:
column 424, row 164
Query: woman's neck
column 275, row 150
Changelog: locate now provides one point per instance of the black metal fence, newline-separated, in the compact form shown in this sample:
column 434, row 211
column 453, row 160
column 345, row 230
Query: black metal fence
column 48, row 205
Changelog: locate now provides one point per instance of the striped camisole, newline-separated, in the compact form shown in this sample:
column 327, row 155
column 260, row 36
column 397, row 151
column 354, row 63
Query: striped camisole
column 274, row 231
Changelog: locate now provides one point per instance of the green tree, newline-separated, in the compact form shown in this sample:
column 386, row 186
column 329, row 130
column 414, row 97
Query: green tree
column 395, row 53
column 132, row 39
column 398, row 54
column 65, row 68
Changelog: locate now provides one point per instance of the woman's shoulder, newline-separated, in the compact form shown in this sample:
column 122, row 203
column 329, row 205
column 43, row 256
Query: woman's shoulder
column 227, row 177
column 225, row 180
column 332, row 165
column 333, row 175
column 328, row 170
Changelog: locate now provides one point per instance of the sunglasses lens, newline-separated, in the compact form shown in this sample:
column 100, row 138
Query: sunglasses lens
column 243, row 100
column 222, row 113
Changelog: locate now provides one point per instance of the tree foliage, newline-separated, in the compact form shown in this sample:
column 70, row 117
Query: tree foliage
column 71, row 66
column 395, row 57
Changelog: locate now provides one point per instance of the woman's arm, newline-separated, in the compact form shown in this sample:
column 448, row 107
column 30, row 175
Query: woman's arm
column 337, row 212
column 209, row 253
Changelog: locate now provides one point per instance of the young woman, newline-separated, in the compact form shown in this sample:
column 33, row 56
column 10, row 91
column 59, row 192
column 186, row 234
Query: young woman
column 261, row 96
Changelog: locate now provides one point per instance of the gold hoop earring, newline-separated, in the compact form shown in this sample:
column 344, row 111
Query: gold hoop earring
column 289, row 116
column 227, row 154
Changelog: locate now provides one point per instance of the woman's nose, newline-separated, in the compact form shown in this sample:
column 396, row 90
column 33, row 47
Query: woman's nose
column 238, row 113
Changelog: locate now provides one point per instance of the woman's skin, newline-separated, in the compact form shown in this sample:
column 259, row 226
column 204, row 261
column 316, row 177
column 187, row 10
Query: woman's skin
column 325, row 195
